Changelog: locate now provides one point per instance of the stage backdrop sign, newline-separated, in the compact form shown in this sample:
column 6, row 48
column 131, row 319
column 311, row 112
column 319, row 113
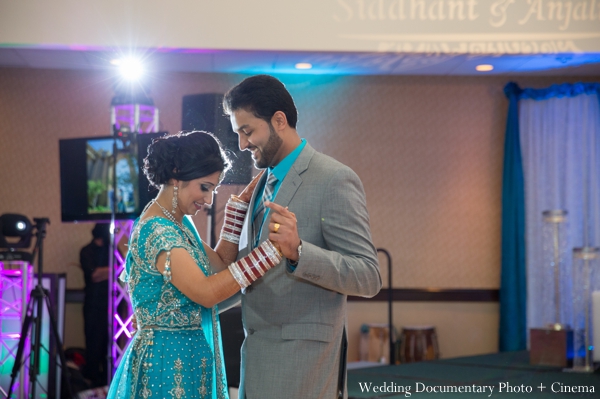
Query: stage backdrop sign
column 412, row 26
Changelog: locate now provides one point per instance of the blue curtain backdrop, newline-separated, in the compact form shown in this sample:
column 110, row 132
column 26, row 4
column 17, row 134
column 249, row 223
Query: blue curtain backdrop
column 513, row 293
column 513, row 282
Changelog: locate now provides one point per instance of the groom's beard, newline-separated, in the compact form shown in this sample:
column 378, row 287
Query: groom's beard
column 269, row 151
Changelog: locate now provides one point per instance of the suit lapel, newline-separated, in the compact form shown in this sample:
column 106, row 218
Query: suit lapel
column 246, row 237
column 290, row 184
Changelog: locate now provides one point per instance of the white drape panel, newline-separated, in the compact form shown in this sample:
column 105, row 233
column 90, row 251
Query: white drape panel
column 560, row 144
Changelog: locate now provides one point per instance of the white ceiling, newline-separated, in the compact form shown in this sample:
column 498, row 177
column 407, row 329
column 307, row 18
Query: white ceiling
column 323, row 63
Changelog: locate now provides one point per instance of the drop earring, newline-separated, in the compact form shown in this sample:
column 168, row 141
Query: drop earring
column 174, row 203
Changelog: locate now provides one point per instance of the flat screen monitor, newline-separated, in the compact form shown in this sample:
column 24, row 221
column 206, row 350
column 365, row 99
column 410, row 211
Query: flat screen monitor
column 88, row 174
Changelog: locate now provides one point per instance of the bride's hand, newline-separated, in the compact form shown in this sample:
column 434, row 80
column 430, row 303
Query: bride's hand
column 246, row 195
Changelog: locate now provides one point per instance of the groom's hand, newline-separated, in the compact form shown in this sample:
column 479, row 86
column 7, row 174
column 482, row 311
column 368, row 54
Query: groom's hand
column 284, row 231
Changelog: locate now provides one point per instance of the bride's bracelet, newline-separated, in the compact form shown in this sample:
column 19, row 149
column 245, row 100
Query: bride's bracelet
column 235, row 212
column 254, row 265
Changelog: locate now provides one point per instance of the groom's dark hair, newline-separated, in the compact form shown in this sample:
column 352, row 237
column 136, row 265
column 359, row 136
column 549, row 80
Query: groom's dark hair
column 262, row 95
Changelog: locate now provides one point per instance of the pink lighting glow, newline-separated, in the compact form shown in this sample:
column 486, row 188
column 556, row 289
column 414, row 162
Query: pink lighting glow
column 123, row 326
column 13, row 336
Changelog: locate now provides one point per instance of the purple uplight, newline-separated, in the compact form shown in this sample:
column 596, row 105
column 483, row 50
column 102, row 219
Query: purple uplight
column 15, row 285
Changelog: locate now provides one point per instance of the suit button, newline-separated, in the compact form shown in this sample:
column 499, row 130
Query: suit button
column 251, row 331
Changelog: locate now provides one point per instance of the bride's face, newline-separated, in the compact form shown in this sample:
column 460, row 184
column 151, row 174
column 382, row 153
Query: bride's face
column 195, row 193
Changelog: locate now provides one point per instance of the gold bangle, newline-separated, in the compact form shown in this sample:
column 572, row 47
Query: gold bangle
column 237, row 199
column 276, row 249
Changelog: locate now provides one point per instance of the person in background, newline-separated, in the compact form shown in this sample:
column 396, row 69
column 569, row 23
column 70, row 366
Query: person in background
column 94, row 262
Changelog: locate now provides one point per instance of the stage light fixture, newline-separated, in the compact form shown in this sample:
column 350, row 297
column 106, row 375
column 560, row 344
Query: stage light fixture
column 303, row 65
column 131, row 68
column 484, row 68
column 19, row 226
column 14, row 226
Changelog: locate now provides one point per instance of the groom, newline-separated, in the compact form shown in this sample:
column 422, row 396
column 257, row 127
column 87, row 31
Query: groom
column 314, row 209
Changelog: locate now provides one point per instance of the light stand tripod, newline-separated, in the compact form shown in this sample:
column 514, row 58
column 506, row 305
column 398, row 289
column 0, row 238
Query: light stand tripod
column 33, row 319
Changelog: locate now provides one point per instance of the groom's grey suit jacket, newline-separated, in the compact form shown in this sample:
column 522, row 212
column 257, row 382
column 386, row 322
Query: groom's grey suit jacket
column 295, row 322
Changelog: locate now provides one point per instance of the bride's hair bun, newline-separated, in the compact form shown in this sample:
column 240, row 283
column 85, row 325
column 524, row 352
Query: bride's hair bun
column 184, row 156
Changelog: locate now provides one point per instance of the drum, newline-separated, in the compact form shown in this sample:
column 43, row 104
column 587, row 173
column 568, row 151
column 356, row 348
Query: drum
column 375, row 343
column 418, row 343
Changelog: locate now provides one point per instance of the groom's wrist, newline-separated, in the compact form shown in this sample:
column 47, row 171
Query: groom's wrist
column 294, row 262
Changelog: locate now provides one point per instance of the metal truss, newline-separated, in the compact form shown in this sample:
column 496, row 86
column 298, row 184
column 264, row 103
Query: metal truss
column 121, row 309
column 16, row 283
column 140, row 118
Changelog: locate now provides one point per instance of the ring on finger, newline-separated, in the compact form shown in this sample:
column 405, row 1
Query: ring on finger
column 276, row 227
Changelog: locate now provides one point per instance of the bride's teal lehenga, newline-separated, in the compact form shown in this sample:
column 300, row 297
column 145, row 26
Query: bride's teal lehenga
column 177, row 352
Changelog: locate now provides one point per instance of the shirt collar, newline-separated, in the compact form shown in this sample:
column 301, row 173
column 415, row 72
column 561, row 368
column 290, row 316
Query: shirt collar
column 282, row 168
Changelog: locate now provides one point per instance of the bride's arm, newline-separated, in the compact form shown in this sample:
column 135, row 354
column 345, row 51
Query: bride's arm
column 224, row 254
column 178, row 267
column 191, row 281
column 226, row 251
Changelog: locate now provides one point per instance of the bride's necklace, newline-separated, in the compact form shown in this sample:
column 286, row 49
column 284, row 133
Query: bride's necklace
column 168, row 214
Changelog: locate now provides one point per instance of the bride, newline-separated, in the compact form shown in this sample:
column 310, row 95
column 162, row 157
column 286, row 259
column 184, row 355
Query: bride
column 175, row 280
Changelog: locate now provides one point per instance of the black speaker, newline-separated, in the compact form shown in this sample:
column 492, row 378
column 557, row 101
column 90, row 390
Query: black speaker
column 205, row 112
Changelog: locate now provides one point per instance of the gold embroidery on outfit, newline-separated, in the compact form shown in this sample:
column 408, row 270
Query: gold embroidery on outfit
column 141, row 343
column 168, row 312
column 163, row 310
column 221, row 388
column 178, row 392
column 145, row 392
column 202, row 390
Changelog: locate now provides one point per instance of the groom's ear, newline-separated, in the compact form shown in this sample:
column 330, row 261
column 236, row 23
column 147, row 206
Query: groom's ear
column 279, row 121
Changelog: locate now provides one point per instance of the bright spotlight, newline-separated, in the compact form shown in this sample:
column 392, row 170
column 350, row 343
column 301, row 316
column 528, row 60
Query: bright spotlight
column 303, row 65
column 131, row 68
column 484, row 67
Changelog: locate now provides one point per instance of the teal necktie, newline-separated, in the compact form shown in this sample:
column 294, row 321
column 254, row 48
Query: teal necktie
column 260, row 211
